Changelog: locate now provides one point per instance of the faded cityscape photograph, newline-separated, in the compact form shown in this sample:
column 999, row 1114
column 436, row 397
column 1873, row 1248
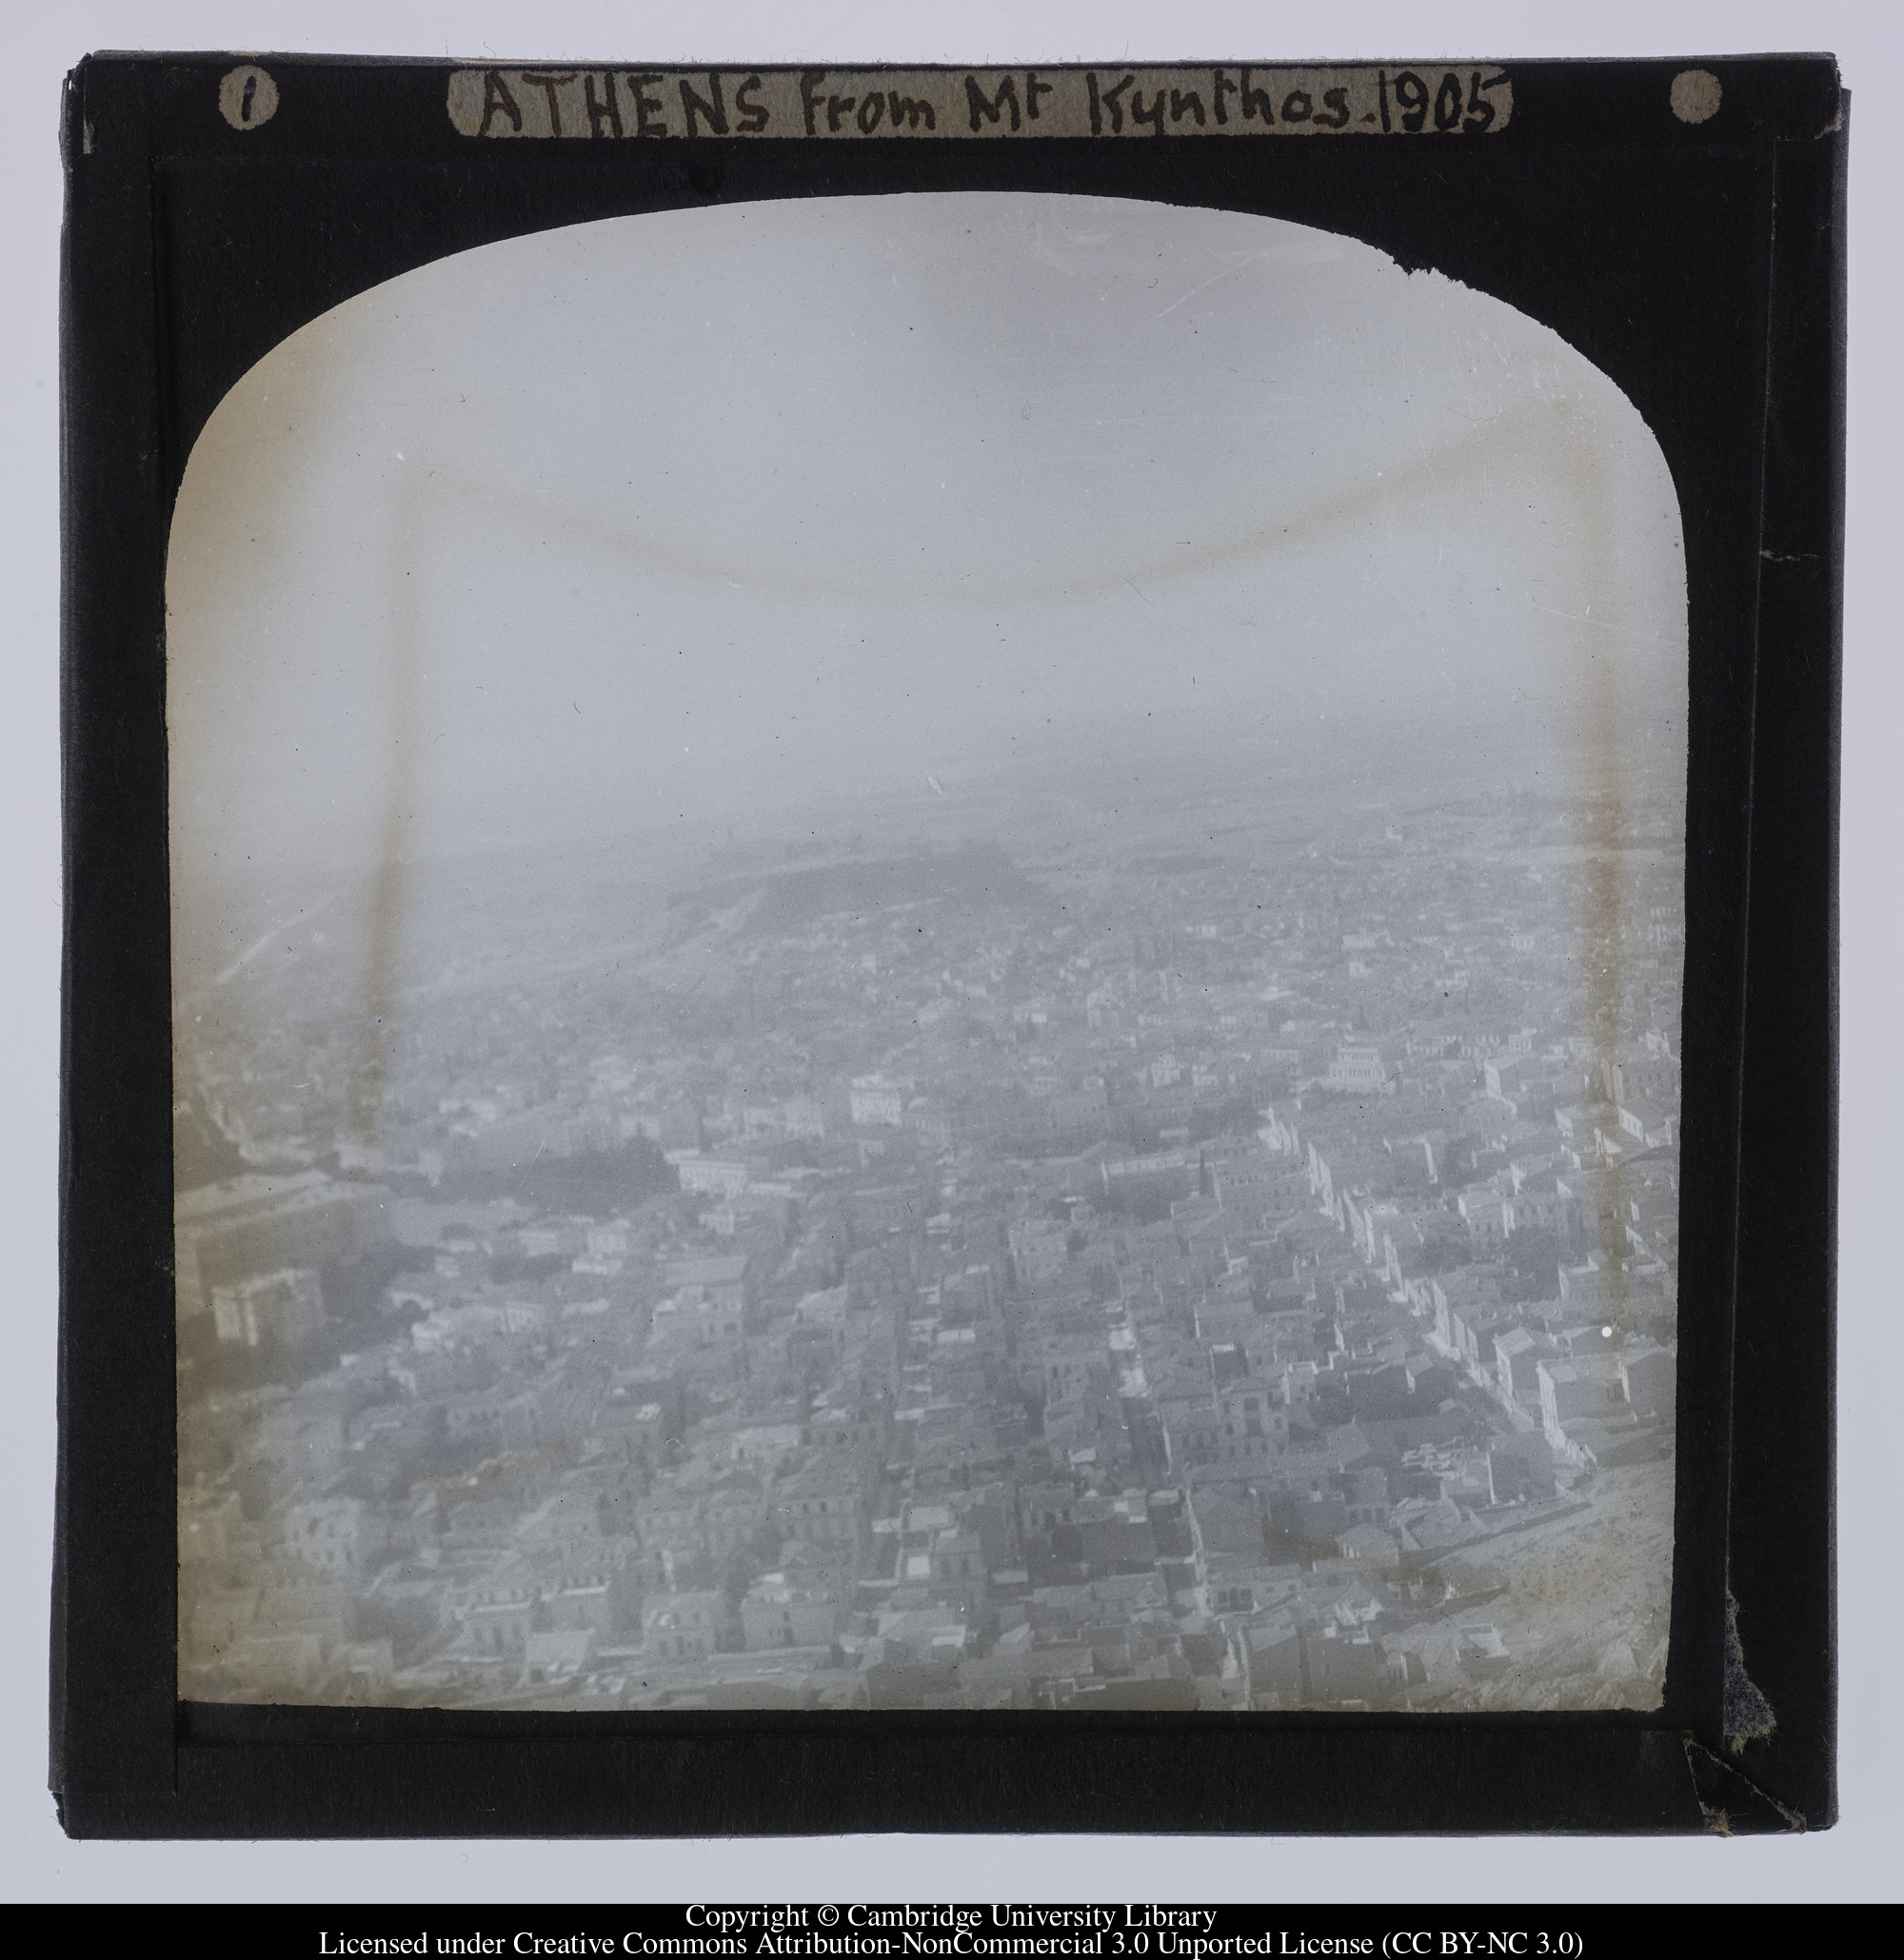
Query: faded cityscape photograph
column 927, row 954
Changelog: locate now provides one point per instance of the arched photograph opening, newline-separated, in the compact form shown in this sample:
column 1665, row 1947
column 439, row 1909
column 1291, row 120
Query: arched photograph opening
column 928, row 954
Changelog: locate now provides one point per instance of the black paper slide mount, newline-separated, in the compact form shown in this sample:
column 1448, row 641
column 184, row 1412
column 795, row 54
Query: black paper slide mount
column 948, row 950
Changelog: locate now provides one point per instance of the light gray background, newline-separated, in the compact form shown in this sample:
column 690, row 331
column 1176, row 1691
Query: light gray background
column 1858, row 1860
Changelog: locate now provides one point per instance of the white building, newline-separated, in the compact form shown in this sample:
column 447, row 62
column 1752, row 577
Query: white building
column 1358, row 1067
column 878, row 1100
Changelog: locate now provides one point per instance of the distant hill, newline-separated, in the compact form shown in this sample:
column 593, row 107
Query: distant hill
column 788, row 902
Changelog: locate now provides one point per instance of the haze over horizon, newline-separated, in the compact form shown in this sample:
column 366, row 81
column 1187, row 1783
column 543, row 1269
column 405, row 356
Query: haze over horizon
column 690, row 518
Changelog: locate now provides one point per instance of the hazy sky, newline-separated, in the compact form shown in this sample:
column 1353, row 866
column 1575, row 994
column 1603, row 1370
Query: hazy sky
column 683, row 514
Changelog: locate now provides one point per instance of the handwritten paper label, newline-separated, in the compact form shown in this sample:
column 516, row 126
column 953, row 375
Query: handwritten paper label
column 838, row 105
